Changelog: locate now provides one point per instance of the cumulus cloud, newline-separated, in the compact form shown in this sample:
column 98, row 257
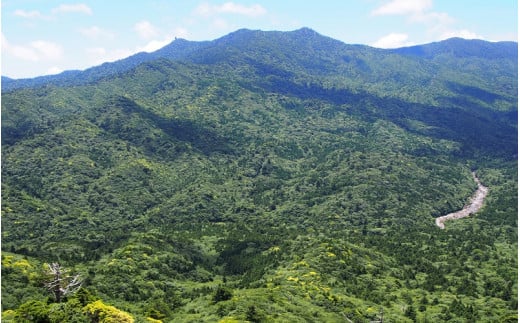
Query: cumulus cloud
column 440, row 25
column 72, row 8
column 95, row 32
column 254, row 10
column 63, row 8
column 146, row 30
column 393, row 40
column 417, row 11
column 54, row 70
column 47, row 50
column 99, row 55
column 463, row 33
column 439, row 18
column 402, row 7
column 156, row 44
column 35, row 51
column 34, row 14
column 22, row 52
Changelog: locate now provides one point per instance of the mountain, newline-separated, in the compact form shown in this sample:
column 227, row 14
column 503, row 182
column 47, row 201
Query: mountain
column 181, row 49
column 463, row 48
column 178, row 49
column 265, row 176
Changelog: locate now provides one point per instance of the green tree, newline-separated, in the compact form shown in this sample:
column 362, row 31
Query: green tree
column 253, row 315
column 102, row 313
column 32, row 312
column 222, row 293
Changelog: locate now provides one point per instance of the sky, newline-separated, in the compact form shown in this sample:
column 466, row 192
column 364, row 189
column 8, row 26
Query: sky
column 42, row 37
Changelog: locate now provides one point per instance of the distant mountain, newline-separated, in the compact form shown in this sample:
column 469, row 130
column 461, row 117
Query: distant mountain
column 265, row 176
column 307, row 39
column 461, row 48
column 176, row 50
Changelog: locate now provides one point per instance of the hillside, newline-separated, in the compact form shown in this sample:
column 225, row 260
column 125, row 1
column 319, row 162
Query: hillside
column 266, row 176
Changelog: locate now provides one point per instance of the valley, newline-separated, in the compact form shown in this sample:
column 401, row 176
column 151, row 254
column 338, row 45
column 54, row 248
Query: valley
column 476, row 202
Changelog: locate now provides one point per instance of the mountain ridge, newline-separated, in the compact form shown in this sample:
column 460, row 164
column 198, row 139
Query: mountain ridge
column 182, row 48
column 454, row 46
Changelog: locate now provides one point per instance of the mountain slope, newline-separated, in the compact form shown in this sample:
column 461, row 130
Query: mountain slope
column 274, row 176
column 463, row 48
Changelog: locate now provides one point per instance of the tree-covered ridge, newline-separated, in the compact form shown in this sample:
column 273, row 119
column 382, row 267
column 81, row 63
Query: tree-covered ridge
column 267, row 176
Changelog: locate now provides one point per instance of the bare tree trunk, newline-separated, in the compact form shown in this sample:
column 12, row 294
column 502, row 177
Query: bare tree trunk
column 60, row 283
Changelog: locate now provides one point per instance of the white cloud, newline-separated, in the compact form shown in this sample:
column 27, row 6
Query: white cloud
column 22, row 52
column 252, row 11
column 220, row 23
column 146, row 30
column 67, row 8
column 206, row 9
column 35, row 51
column 463, row 33
column 54, row 70
column 440, row 18
column 99, row 55
column 417, row 11
column 95, row 32
column 180, row 32
column 47, row 50
column 403, row 7
column 96, row 51
column 392, row 40
column 156, row 44
column 439, row 25
column 28, row 14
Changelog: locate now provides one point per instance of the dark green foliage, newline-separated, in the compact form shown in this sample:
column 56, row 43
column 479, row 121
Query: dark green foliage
column 222, row 293
column 33, row 311
column 252, row 314
column 267, row 176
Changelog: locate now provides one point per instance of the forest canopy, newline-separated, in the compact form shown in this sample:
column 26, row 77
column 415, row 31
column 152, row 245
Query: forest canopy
column 265, row 176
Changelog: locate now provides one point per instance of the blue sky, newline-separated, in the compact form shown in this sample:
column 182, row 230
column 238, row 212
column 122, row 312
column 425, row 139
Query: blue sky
column 41, row 37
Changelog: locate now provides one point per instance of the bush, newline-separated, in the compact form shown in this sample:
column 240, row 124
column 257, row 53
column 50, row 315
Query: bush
column 100, row 312
column 32, row 312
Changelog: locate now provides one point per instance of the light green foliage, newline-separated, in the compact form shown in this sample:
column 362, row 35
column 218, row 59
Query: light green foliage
column 99, row 312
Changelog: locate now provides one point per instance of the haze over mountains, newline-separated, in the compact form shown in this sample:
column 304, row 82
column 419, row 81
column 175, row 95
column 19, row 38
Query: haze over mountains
column 266, row 176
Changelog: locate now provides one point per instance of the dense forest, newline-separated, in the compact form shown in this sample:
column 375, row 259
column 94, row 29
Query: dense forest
column 264, row 177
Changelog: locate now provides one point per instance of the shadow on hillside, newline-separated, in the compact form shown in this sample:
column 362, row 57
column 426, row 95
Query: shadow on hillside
column 477, row 128
column 475, row 92
column 129, row 121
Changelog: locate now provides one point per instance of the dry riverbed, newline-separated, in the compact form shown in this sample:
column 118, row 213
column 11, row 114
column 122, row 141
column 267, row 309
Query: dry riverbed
column 475, row 204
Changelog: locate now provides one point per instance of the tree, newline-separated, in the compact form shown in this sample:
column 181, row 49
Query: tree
column 100, row 312
column 222, row 294
column 32, row 311
column 252, row 314
column 61, row 284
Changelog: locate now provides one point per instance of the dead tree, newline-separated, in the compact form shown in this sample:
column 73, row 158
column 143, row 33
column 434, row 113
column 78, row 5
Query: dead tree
column 60, row 282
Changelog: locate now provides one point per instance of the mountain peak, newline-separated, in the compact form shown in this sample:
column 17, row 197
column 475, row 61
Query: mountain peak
column 305, row 31
column 305, row 41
